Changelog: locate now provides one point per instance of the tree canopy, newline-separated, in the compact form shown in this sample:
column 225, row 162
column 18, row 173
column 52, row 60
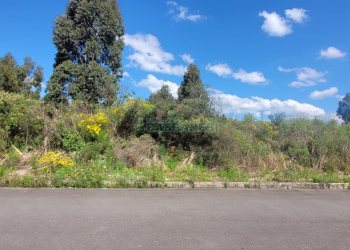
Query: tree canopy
column 162, row 96
column 193, row 98
column 21, row 79
column 344, row 108
column 89, row 42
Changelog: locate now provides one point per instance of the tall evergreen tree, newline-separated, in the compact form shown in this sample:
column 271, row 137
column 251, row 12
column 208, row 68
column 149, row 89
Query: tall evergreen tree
column 192, row 86
column 192, row 93
column 23, row 79
column 89, row 42
column 344, row 108
column 162, row 96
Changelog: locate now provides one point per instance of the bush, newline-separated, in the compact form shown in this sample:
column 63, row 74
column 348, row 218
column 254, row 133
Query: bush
column 21, row 121
column 52, row 161
column 130, row 117
column 95, row 150
column 12, row 159
column 92, row 125
column 71, row 140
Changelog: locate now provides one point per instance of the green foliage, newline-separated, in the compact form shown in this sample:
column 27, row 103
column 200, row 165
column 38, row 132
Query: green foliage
column 234, row 175
column 12, row 158
column 21, row 120
column 25, row 79
column 95, row 150
column 197, row 173
column 162, row 97
column 192, row 94
column 277, row 119
column 2, row 172
column 89, row 46
column 27, row 181
column 80, row 177
column 132, row 117
column 72, row 141
column 316, row 144
column 344, row 108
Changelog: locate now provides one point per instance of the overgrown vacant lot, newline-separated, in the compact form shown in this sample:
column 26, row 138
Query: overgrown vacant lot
column 81, row 128
column 89, row 146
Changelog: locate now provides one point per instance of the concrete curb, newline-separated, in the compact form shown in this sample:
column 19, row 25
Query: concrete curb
column 237, row 185
column 263, row 186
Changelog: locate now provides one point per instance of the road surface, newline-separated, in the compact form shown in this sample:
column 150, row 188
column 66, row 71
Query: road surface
column 173, row 219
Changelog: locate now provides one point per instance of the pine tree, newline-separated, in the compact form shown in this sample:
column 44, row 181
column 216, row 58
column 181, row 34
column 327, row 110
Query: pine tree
column 192, row 93
column 344, row 108
column 89, row 42
column 162, row 96
column 23, row 79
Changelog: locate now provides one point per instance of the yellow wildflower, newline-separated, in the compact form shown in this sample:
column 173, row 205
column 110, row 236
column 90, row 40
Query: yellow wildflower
column 93, row 123
column 54, row 159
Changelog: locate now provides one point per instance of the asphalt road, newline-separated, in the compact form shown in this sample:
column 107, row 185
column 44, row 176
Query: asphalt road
column 173, row 219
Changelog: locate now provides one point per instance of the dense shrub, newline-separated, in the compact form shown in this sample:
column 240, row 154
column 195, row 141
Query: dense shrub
column 21, row 121
column 130, row 117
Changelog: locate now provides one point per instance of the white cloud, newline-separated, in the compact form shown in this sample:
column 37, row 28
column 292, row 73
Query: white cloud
column 234, row 105
column 332, row 53
column 275, row 25
column 149, row 56
column 296, row 15
column 278, row 25
column 251, row 77
column 306, row 77
column 182, row 13
column 154, row 84
column 187, row 58
column 324, row 93
column 224, row 70
column 126, row 74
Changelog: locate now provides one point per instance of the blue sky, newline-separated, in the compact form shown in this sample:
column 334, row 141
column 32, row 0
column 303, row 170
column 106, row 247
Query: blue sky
column 255, row 56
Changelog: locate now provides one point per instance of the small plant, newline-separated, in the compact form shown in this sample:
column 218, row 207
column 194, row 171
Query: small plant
column 52, row 161
column 12, row 159
column 171, row 163
column 233, row 174
column 2, row 172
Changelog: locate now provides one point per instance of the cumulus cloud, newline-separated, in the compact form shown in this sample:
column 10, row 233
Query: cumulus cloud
column 250, row 77
column 182, row 13
column 296, row 15
column 148, row 55
column 221, row 69
column 306, row 77
column 234, row 105
column 187, row 58
column 324, row 93
column 332, row 53
column 126, row 74
column 278, row 25
column 154, row 84
column 224, row 70
column 275, row 25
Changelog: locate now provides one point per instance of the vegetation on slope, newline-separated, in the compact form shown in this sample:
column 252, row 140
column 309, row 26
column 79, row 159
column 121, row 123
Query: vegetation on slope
column 81, row 135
